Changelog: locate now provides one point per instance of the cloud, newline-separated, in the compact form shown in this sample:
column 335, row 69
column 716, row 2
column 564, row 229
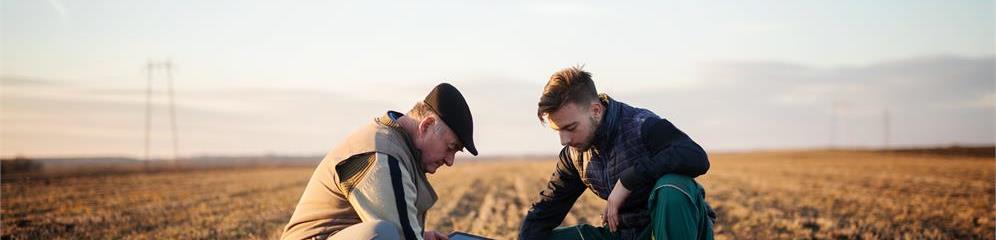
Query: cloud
column 742, row 105
column 73, row 120
column 732, row 106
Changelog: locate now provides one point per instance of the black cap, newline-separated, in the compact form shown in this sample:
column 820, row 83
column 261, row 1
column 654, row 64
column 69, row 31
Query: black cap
column 449, row 104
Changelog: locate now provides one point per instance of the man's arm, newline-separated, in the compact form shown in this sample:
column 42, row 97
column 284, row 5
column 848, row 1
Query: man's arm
column 386, row 192
column 672, row 151
column 555, row 201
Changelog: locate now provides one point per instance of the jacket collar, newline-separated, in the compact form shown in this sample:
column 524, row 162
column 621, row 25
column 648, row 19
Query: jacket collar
column 387, row 121
column 607, row 128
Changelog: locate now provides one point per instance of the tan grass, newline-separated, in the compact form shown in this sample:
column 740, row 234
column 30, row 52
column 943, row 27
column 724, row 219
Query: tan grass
column 776, row 195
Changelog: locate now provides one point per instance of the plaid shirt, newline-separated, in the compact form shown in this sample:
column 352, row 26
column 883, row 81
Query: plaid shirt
column 631, row 145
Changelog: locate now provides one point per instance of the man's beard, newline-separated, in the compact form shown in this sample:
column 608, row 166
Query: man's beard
column 591, row 136
column 583, row 148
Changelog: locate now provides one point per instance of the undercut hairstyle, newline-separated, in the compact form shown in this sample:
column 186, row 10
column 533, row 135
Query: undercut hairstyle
column 569, row 85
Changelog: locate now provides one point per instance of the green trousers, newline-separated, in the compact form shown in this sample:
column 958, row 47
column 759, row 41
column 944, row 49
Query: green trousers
column 677, row 209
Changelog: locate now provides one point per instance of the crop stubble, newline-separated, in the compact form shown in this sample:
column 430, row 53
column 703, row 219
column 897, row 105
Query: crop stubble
column 785, row 195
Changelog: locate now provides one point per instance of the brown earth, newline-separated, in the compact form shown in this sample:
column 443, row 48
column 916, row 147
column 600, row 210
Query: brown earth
column 762, row 195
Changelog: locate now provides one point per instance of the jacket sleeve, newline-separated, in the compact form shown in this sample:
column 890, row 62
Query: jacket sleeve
column 555, row 201
column 671, row 151
column 386, row 192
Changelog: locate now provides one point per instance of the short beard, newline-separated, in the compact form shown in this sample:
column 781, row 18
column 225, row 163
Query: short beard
column 591, row 137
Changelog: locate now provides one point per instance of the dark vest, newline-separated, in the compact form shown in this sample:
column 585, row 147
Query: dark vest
column 617, row 145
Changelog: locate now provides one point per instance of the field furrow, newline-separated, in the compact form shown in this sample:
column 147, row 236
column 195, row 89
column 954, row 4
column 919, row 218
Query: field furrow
column 774, row 195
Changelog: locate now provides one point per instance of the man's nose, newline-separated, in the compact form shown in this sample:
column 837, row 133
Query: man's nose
column 565, row 139
column 449, row 159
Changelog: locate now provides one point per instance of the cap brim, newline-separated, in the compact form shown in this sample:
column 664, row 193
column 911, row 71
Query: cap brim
column 468, row 143
column 471, row 149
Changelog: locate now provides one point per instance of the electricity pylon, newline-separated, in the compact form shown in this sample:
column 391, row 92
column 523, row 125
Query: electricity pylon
column 152, row 68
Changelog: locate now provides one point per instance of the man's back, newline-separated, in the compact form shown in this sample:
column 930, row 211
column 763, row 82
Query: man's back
column 347, row 184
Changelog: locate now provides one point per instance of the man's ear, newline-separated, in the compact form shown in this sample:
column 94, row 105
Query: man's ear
column 596, row 109
column 425, row 124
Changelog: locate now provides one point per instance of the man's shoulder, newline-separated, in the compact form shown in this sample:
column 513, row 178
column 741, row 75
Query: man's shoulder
column 393, row 142
column 639, row 114
column 360, row 140
column 359, row 151
column 632, row 116
column 371, row 137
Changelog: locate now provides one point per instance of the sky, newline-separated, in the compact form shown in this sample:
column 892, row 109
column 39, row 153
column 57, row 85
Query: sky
column 265, row 77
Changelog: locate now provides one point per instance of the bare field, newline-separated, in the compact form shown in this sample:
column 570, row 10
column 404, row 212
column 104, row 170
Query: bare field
column 780, row 195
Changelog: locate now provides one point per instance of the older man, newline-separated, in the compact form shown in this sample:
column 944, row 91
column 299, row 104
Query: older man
column 373, row 185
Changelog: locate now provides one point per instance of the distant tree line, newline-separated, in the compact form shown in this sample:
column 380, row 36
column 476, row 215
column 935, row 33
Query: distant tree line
column 19, row 165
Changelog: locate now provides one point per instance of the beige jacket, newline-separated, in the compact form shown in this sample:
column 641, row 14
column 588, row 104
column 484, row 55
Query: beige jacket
column 374, row 174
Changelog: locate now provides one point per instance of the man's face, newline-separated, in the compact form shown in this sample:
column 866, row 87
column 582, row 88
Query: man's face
column 437, row 142
column 576, row 124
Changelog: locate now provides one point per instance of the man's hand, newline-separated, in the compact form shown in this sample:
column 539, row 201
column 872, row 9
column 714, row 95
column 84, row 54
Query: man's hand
column 433, row 235
column 616, row 198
